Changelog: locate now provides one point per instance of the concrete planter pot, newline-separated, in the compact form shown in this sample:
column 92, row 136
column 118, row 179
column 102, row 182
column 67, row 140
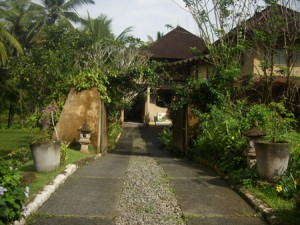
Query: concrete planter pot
column 272, row 159
column 46, row 156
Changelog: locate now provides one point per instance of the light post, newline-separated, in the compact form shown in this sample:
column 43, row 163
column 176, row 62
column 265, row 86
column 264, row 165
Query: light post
column 85, row 135
column 252, row 135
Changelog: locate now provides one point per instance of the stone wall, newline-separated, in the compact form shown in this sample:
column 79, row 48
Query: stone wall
column 80, row 107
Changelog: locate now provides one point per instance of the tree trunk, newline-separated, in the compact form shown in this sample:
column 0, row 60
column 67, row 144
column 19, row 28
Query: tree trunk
column 10, row 115
column 21, row 109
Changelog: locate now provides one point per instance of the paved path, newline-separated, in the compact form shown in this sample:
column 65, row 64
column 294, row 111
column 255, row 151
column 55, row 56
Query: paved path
column 91, row 195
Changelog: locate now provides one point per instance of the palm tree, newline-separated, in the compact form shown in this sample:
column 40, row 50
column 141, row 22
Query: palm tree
column 158, row 36
column 124, row 35
column 63, row 10
column 7, row 40
column 57, row 10
column 22, row 16
column 99, row 28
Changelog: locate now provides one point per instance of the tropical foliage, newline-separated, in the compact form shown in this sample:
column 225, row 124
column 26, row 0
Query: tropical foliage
column 12, row 194
column 226, row 105
column 43, row 55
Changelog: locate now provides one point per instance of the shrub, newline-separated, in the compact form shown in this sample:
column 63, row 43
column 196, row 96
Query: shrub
column 49, row 116
column 166, row 138
column 274, row 119
column 219, row 138
column 294, row 163
column 63, row 152
column 245, row 176
column 17, row 157
column 114, row 130
column 12, row 195
column 287, row 186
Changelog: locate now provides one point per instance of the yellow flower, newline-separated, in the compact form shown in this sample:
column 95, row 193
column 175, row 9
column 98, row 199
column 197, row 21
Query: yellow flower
column 295, row 182
column 279, row 188
column 232, row 137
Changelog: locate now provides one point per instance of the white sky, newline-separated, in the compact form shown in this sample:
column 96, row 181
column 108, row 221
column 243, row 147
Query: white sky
column 147, row 17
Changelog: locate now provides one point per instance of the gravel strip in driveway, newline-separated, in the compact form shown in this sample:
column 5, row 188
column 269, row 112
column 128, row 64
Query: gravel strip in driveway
column 147, row 197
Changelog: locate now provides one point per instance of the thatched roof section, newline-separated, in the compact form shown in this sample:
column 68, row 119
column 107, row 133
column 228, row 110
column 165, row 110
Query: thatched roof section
column 274, row 16
column 176, row 45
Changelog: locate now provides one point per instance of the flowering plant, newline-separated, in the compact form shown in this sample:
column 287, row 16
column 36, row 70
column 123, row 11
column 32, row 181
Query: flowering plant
column 287, row 186
column 12, row 194
column 47, row 123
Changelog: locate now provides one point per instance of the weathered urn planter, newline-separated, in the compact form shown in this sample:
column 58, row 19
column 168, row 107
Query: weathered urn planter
column 272, row 159
column 46, row 156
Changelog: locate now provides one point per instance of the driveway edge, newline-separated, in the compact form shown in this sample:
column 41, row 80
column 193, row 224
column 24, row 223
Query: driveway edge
column 256, row 203
column 47, row 191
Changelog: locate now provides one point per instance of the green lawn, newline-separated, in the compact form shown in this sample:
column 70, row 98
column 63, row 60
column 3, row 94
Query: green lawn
column 284, row 208
column 37, row 180
column 15, row 147
column 15, row 139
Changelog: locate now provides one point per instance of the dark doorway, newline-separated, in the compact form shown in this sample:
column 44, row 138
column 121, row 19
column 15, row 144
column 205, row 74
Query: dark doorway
column 163, row 98
column 137, row 111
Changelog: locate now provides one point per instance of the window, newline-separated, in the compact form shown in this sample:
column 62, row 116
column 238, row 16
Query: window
column 296, row 58
column 280, row 57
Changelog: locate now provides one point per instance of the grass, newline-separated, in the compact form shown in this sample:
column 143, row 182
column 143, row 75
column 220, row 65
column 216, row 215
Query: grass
column 15, row 147
column 114, row 130
column 284, row 208
column 15, row 139
column 37, row 180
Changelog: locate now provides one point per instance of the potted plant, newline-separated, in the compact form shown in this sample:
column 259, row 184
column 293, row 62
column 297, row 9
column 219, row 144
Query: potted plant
column 46, row 148
column 272, row 155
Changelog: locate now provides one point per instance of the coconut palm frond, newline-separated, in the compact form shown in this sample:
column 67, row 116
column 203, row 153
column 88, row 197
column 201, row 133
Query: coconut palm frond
column 11, row 40
column 125, row 34
column 99, row 28
column 72, row 16
column 72, row 5
column 3, row 54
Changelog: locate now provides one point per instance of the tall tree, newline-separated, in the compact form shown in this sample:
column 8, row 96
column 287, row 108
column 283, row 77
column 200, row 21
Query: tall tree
column 58, row 10
column 215, row 18
column 275, row 32
column 227, row 30
column 63, row 10
column 99, row 28
column 7, row 40
column 22, row 16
